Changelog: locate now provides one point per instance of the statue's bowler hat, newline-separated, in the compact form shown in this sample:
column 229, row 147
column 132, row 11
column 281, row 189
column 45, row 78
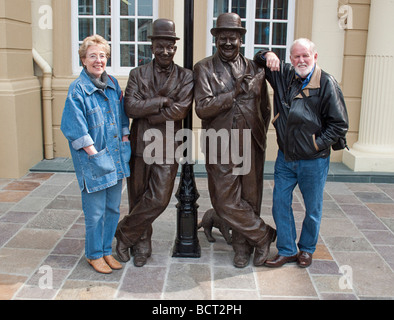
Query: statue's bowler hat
column 228, row 21
column 164, row 29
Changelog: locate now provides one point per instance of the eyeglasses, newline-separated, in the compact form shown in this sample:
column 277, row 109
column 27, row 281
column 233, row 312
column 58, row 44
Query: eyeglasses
column 94, row 57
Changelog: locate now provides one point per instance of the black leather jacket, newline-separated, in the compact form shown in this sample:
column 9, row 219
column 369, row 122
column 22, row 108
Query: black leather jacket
column 306, row 130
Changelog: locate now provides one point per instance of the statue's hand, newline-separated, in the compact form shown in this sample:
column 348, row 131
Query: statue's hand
column 168, row 102
column 241, row 87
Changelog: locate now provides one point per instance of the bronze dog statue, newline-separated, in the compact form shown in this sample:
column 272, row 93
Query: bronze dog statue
column 210, row 220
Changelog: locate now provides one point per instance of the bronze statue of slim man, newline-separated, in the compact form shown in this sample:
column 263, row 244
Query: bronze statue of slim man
column 156, row 94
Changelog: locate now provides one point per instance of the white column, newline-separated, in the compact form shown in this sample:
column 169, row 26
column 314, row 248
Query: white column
column 374, row 151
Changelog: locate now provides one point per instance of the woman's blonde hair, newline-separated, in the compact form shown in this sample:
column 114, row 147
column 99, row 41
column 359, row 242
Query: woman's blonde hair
column 94, row 40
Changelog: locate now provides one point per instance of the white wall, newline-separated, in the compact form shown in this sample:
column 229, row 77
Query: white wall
column 328, row 37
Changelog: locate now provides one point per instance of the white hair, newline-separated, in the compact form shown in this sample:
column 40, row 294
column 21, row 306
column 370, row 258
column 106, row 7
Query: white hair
column 305, row 43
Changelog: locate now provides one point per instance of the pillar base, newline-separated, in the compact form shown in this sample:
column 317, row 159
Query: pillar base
column 20, row 126
column 360, row 161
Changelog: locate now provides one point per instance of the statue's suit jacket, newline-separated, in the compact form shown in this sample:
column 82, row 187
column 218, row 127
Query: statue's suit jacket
column 214, row 87
column 143, row 103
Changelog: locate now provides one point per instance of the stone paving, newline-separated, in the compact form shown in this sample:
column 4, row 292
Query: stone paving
column 42, row 250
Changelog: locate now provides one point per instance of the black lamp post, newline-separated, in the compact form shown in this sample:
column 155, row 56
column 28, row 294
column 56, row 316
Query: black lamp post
column 186, row 243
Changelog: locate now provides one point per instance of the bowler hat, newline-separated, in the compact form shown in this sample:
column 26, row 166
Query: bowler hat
column 228, row 21
column 163, row 28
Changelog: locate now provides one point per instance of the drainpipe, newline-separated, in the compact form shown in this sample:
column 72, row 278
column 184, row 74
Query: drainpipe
column 46, row 104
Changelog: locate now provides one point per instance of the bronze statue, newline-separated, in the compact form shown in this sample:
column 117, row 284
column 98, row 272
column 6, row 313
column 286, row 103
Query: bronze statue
column 158, row 95
column 231, row 95
column 211, row 220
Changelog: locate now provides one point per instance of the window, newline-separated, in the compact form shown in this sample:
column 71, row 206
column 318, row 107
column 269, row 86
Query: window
column 269, row 24
column 125, row 24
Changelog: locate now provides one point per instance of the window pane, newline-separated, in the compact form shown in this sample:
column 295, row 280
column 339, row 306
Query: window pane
column 239, row 6
column 219, row 7
column 280, row 9
column 279, row 34
column 127, row 55
column 85, row 7
column 263, row 9
column 103, row 7
column 103, row 28
column 144, row 54
column 144, row 29
column 127, row 29
column 262, row 33
column 270, row 19
column 127, row 9
column 280, row 52
column 85, row 28
column 145, row 8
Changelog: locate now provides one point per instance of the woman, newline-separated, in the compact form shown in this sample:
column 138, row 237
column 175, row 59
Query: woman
column 97, row 129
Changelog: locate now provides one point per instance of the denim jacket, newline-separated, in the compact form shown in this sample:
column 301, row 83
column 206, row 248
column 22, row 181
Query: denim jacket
column 95, row 116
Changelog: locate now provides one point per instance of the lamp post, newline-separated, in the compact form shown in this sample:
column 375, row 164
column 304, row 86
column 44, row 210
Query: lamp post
column 186, row 243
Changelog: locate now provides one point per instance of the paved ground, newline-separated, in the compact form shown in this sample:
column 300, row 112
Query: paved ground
column 42, row 250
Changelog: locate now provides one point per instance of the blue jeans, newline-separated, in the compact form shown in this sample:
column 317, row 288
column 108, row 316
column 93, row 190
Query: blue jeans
column 311, row 176
column 102, row 213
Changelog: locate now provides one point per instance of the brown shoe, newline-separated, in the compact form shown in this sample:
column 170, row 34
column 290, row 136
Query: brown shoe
column 141, row 251
column 112, row 262
column 140, row 259
column 304, row 259
column 122, row 250
column 261, row 252
column 241, row 259
column 99, row 265
column 279, row 261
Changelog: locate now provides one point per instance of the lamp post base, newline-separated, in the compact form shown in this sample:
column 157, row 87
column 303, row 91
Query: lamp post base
column 186, row 243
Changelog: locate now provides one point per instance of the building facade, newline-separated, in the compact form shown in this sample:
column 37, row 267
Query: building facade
column 39, row 42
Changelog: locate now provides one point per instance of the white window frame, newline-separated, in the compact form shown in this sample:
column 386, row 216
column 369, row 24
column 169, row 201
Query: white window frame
column 250, row 20
column 115, row 67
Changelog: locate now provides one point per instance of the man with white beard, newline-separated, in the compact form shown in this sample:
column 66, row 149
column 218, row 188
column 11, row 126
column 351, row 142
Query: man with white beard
column 309, row 117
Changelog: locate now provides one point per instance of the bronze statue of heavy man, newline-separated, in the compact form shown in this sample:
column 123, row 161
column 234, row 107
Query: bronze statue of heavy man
column 158, row 94
column 231, row 94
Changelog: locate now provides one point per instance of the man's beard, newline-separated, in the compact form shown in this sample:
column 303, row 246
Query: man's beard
column 303, row 72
